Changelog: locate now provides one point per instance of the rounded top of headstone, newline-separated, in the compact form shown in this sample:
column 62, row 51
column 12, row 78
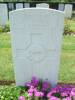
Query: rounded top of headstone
column 35, row 9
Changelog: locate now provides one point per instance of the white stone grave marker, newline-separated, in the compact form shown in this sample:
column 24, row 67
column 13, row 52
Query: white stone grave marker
column 27, row 5
column 44, row 5
column 68, row 10
column 61, row 7
column 11, row 6
column 3, row 14
column 36, row 41
column 19, row 5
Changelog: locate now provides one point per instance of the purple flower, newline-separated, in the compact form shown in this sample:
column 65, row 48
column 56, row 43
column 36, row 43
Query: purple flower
column 64, row 90
column 21, row 98
column 34, row 81
column 45, row 85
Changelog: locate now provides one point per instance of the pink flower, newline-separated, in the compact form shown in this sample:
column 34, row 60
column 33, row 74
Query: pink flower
column 21, row 98
column 63, row 94
column 32, row 86
column 50, row 93
column 41, row 94
column 73, row 92
column 31, row 90
column 67, row 98
column 30, row 94
column 53, row 98
column 35, row 90
column 38, row 94
column 53, row 90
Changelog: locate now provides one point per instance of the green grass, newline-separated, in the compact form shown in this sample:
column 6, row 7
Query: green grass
column 6, row 70
column 67, row 65
column 72, row 25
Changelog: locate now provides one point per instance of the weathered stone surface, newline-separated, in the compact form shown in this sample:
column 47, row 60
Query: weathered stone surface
column 36, row 41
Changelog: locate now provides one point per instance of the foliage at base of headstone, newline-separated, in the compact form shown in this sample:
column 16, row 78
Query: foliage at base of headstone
column 67, row 27
column 11, row 92
column 5, row 28
column 37, row 89
column 40, row 90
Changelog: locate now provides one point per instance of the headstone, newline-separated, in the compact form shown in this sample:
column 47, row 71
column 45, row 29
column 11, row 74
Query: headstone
column 68, row 10
column 11, row 6
column 19, row 5
column 44, row 5
column 61, row 7
column 3, row 14
column 26, row 5
column 36, row 40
